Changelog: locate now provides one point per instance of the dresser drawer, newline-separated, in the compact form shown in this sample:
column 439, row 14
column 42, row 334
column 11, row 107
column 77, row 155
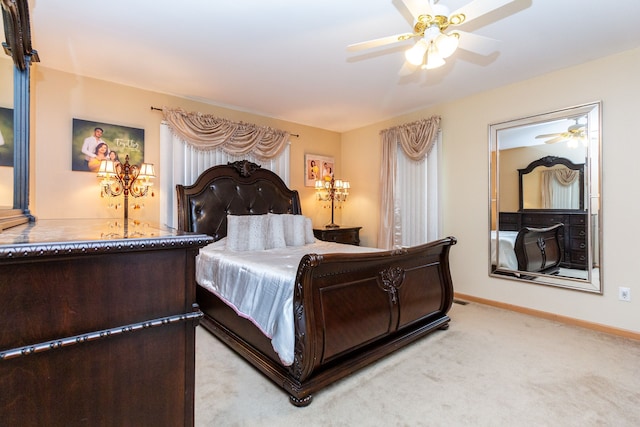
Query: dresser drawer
column 579, row 258
column 578, row 219
column 578, row 245
column 509, row 221
column 348, row 235
column 542, row 220
column 578, row 232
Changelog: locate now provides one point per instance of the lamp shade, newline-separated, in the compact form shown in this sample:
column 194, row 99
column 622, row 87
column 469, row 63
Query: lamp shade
column 415, row 55
column 434, row 60
column 107, row 169
column 147, row 171
column 447, row 44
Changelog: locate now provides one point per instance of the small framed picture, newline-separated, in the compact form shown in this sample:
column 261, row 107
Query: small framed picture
column 317, row 168
column 96, row 141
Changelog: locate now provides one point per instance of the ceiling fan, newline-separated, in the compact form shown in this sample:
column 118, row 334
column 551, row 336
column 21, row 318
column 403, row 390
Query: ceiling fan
column 432, row 29
column 573, row 135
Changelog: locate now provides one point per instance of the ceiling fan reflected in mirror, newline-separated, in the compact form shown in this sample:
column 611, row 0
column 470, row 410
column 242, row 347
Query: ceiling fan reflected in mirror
column 432, row 28
column 574, row 135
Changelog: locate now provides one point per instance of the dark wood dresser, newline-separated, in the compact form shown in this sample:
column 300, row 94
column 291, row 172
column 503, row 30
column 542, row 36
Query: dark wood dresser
column 573, row 239
column 348, row 235
column 98, row 324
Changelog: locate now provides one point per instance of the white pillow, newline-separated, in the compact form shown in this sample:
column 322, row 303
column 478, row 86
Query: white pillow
column 308, row 231
column 294, row 234
column 246, row 232
column 275, row 232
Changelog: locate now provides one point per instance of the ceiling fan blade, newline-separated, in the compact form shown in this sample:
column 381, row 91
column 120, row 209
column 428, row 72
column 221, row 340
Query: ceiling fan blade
column 379, row 42
column 477, row 8
column 418, row 7
column 548, row 135
column 479, row 44
column 555, row 140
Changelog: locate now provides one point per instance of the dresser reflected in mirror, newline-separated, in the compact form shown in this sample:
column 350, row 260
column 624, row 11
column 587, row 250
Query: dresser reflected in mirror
column 545, row 192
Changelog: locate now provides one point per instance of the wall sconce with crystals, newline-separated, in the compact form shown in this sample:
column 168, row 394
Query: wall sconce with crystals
column 335, row 190
column 125, row 179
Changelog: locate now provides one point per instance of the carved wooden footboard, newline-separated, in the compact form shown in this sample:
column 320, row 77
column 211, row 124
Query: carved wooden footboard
column 538, row 249
column 351, row 310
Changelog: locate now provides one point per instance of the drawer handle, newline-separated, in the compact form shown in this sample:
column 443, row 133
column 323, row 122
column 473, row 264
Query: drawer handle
column 98, row 335
column 582, row 232
column 583, row 245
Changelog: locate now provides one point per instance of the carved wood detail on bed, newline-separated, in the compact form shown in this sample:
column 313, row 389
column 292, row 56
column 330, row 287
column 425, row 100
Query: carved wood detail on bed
column 349, row 309
column 538, row 249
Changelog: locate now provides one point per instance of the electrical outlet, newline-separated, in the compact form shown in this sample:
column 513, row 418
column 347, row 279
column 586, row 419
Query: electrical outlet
column 624, row 294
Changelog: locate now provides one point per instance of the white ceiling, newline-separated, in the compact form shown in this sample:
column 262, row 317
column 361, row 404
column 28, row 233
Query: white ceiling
column 287, row 59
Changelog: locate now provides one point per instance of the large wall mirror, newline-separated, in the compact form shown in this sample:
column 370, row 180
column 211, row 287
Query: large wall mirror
column 545, row 199
column 15, row 75
column 6, row 131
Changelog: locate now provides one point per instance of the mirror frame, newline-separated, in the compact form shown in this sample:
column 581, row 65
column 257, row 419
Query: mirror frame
column 17, row 29
column 592, row 199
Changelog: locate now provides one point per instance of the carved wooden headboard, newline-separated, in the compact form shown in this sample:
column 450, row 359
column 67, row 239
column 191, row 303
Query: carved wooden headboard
column 238, row 188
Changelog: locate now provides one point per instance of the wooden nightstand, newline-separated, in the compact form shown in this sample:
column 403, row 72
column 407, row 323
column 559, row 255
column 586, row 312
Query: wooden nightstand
column 348, row 235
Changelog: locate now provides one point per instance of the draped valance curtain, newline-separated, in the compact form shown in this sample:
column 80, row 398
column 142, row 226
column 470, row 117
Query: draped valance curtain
column 191, row 143
column 560, row 189
column 416, row 141
column 207, row 132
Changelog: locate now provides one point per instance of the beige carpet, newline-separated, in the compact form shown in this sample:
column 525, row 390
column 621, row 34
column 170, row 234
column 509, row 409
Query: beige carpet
column 492, row 367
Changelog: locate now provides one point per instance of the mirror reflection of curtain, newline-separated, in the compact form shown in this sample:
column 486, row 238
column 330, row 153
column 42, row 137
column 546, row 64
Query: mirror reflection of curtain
column 560, row 189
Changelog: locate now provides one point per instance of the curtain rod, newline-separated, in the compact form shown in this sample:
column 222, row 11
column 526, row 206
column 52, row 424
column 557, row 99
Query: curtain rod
column 160, row 109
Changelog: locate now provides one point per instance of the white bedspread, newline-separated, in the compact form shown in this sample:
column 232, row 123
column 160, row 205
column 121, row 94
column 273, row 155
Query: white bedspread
column 505, row 253
column 258, row 285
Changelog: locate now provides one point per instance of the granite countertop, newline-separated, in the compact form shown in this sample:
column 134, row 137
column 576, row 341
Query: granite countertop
column 68, row 236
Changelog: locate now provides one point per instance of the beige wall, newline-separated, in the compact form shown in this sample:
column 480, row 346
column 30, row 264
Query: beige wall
column 614, row 81
column 59, row 192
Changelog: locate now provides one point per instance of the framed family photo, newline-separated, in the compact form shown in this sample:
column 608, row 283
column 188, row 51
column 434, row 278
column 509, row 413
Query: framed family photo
column 94, row 141
column 317, row 167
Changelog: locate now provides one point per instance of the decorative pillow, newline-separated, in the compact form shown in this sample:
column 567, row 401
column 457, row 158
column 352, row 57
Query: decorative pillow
column 308, row 231
column 246, row 232
column 294, row 234
column 275, row 232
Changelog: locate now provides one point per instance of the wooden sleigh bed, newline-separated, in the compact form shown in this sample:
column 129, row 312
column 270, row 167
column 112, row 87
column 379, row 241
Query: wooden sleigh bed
column 349, row 309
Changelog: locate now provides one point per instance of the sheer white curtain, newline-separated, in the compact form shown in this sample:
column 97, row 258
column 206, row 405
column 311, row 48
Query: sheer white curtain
column 181, row 163
column 409, row 211
column 417, row 198
column 560, row 189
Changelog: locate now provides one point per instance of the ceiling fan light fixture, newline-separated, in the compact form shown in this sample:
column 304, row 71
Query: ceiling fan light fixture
column 415, row 55
column 432, row 33
column 447, row 44
column 434, row 59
